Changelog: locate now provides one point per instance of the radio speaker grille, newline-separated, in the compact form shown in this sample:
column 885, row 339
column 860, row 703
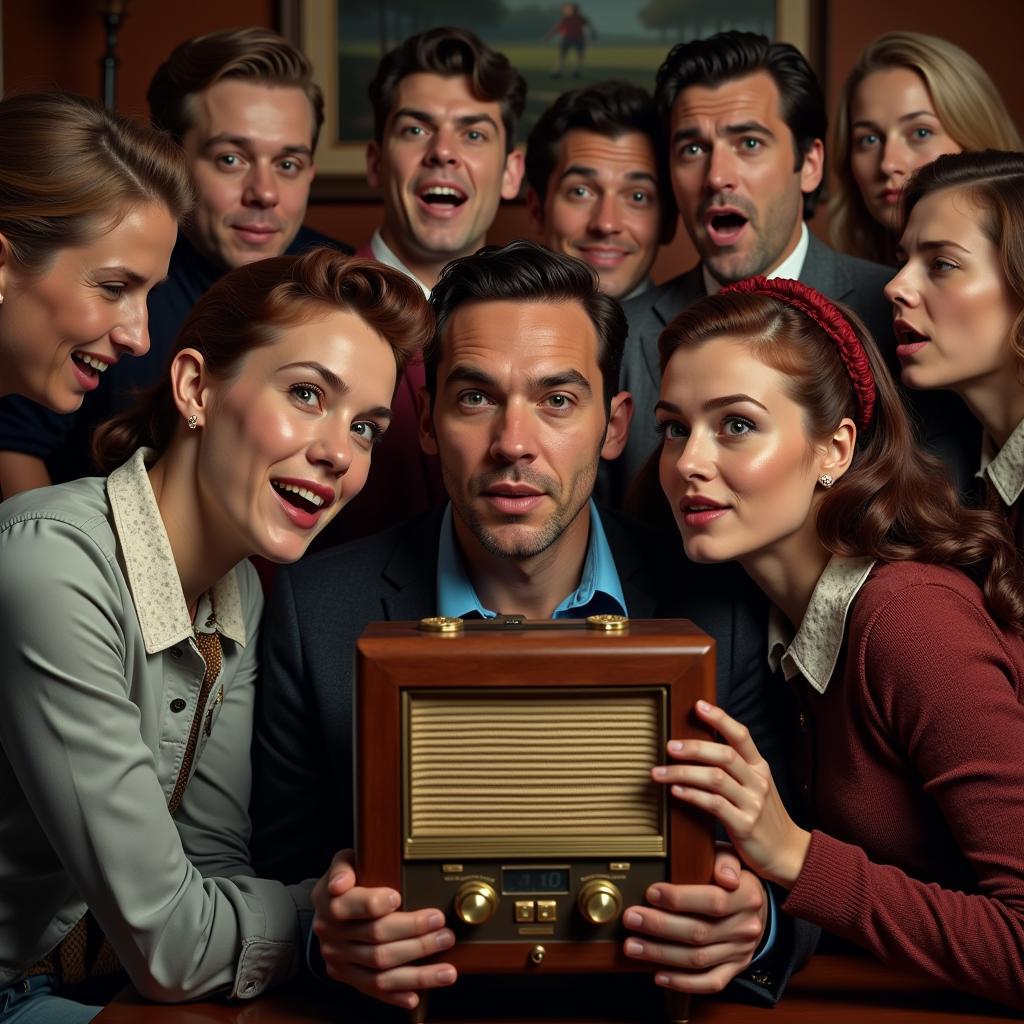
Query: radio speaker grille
column 531, row 772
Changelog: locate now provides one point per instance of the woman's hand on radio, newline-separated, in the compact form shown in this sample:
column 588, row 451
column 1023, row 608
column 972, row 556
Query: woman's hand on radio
column 366, row 942
column 733, row 782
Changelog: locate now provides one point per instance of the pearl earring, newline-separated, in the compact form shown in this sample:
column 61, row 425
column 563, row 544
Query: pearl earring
column 826, row 481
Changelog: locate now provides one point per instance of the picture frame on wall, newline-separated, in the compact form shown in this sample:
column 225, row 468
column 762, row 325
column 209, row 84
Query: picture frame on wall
column 345, row 41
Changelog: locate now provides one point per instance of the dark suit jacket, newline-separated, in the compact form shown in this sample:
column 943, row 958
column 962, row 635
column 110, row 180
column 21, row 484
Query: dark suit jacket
column 944, row 423
column 302, row 801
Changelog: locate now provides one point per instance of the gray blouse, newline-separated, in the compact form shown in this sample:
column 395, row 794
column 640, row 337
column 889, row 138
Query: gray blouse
column 99, row 678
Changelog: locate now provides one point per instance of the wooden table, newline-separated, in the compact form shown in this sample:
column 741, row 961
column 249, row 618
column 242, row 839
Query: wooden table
column 830, row 989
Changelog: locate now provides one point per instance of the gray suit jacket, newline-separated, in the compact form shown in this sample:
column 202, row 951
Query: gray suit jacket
column 942, row 419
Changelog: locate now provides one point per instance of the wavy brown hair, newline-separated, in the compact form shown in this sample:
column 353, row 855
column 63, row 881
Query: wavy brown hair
column 248, row 307
column 70, row 170
column 895, row 503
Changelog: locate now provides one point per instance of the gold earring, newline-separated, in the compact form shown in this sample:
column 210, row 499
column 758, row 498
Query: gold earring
column 193, row 421
column 826, row 481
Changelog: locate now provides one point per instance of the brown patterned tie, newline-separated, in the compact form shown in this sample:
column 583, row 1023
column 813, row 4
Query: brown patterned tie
column 84, row 953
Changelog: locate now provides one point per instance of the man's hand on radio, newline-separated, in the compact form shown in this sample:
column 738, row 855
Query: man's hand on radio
column 366, row 942
column 704, row 934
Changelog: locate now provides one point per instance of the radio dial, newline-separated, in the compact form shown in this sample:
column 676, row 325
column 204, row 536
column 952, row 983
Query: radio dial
column 600, row 901
column 476, row 902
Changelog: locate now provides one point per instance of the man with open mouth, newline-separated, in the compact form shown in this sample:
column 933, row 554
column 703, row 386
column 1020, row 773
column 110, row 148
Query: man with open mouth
column 445, row 109
column 746, row 125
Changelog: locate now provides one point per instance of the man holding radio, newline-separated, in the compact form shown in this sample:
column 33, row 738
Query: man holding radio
column 521, row 404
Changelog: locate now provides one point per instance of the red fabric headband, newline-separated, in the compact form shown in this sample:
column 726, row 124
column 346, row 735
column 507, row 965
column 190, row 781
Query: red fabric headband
column 828, row 317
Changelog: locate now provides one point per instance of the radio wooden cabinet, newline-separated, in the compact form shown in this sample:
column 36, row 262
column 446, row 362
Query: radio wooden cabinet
column 503, row 775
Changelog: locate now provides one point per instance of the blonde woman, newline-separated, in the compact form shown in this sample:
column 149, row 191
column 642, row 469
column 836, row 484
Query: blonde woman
column 910, row 98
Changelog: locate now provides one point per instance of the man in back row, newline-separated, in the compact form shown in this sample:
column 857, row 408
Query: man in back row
column 746, row 126
column 244, row 106
column 521, row 403
column 598, row 183
column 445, row 110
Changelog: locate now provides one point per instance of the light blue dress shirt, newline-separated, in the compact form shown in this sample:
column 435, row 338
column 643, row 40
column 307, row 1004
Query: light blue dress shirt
column 599, row 591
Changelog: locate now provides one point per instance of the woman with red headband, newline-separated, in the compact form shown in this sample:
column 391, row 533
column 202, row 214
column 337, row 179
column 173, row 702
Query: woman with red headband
column 897, row 622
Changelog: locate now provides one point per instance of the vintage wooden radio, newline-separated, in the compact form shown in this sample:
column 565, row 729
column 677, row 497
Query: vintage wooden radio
column 503, row 776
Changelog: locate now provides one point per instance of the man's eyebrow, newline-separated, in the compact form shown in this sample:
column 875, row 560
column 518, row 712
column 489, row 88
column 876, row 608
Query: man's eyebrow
column 468, row 120
column 243, row 142
column 465, row 374
column 592, row 172
column 690, row 132
column 748, row 128
column 566, row 378
column 329, row 377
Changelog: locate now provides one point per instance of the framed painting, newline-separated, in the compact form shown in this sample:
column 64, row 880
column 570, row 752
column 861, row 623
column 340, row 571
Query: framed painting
column 345, row 40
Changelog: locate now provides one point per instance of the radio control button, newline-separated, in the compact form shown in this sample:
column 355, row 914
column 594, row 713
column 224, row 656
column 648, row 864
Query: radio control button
column 547, row 910
column 524, row 910
column 600, row 901
column 475, row 902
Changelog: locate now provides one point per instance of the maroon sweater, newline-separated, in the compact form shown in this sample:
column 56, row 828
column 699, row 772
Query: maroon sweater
column 913, row 761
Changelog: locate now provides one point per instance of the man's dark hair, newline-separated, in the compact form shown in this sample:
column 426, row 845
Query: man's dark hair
column 729, row 55
column 610, row 109
column 525, row 271
column 249, row 54
column 450, row 52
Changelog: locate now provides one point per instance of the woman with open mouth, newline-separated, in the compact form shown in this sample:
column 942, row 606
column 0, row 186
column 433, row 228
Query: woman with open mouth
column 910, row 98
column 128, row 654
column 958, row 304
column 89, row 205
column 897, row 620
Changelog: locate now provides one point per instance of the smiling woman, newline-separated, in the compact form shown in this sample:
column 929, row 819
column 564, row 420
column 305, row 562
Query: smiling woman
column 124, row 772
column 89, row 204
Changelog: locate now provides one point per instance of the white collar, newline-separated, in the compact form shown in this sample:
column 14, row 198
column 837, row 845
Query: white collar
column 814, row 650
column 151, row 571
column 383, row 253
column 1005, row 468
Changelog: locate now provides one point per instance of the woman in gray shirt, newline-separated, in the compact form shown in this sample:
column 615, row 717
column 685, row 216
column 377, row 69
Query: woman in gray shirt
column 128, row 653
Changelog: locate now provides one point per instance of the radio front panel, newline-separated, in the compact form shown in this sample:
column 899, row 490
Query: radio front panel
column 503, row 776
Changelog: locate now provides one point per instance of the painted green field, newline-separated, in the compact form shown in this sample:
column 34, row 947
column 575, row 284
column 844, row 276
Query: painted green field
column 536, row 62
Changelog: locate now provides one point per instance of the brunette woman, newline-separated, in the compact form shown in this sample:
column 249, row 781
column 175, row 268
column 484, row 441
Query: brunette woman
column 911, row 98
column 89, row 204
column 897, row 621
column 128, row 648
column 959, row 303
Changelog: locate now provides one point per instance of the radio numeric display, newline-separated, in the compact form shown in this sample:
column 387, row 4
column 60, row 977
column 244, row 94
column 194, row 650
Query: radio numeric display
column 525, row 881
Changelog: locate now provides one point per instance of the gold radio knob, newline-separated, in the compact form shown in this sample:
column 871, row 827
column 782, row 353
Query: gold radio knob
column 600, row 901
column 476, row 902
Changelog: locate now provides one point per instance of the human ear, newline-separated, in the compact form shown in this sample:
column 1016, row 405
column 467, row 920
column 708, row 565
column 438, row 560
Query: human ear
column 617, row 431
column 428, row 441
column 838, row 450
column 813, row 167
column 190, row 386
column 512, row 177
